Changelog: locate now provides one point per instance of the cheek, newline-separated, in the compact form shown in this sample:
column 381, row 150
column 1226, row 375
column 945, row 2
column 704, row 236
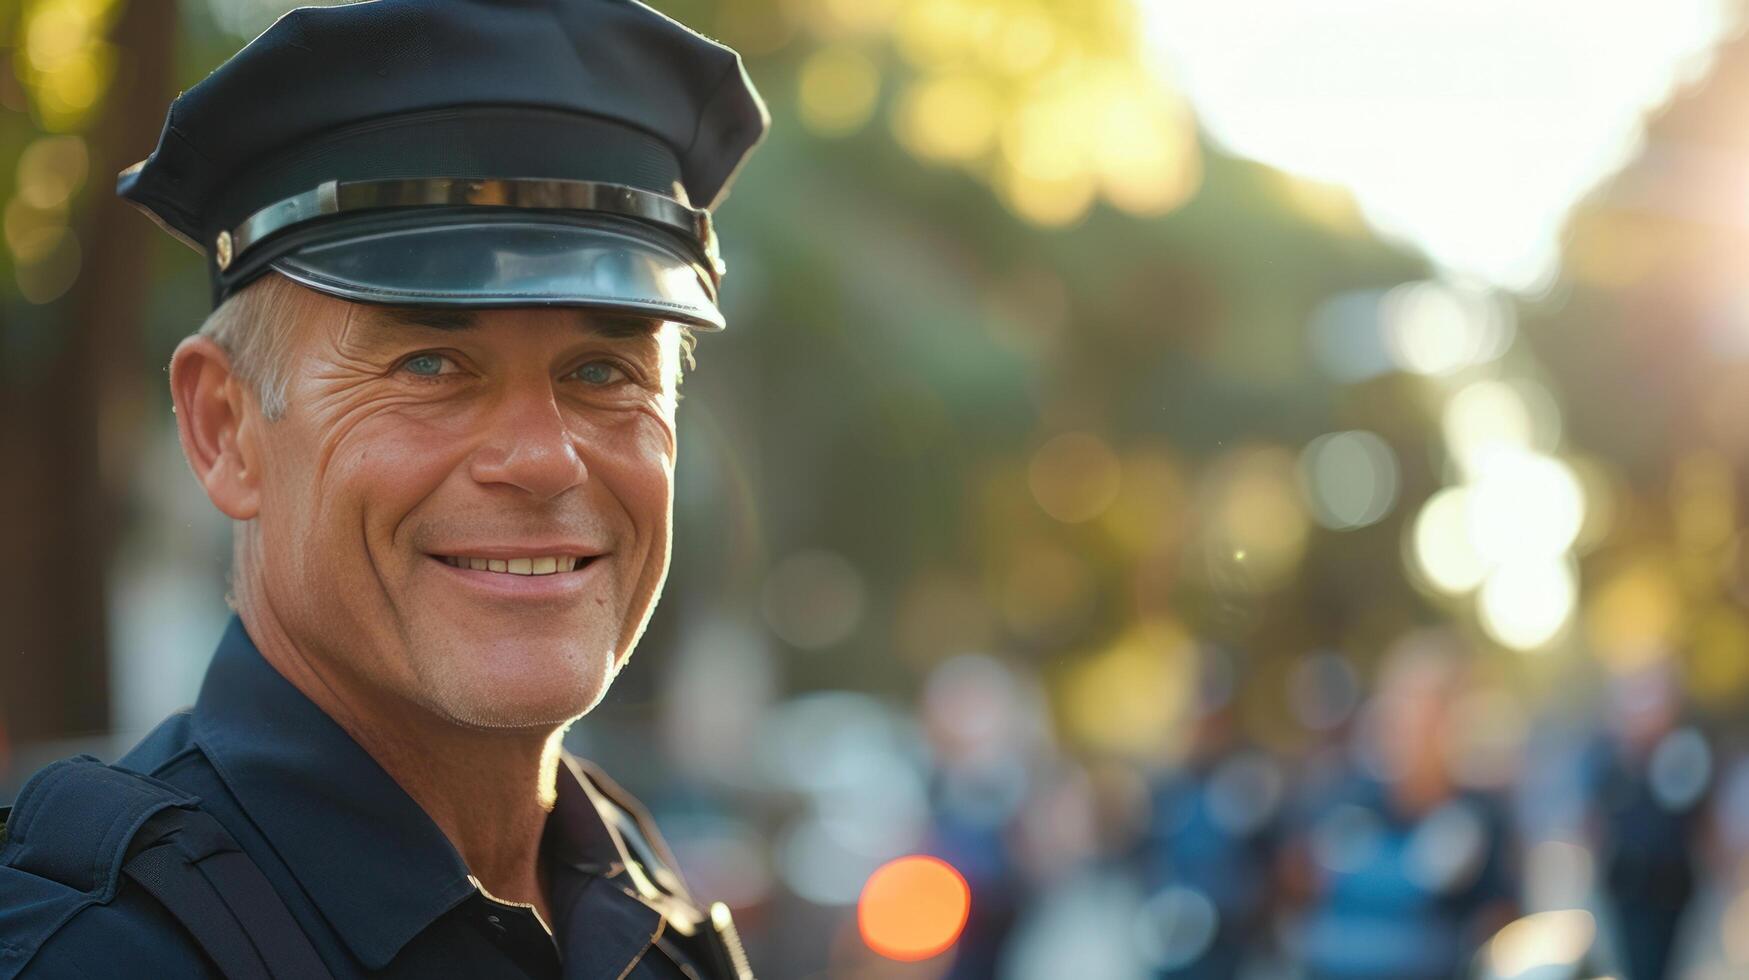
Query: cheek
column 396, row 457
column 373, row 469
column 633, row 457
column 634, row 444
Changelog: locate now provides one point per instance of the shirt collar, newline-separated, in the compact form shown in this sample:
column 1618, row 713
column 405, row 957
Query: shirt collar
column 608, row 916
column 379, row 869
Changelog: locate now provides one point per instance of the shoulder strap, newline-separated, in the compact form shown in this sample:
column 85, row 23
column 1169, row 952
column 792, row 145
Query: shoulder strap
column 73, row 821
column 199, row 874
column 85, row 825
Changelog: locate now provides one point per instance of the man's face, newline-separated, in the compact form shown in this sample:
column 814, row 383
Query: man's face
column 419, row 446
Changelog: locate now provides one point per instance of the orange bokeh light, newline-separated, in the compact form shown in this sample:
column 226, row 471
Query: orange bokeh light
column 913, row 908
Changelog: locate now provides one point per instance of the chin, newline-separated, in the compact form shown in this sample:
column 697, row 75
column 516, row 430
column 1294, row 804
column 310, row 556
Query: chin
column 517, row 685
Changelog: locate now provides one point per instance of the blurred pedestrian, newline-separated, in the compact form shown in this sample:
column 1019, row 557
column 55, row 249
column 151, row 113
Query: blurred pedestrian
column 1408, row 872
column 1208, row 858
column 1651, row 775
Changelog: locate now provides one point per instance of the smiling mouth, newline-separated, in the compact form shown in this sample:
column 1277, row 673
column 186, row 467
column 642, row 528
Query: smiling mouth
column 542, row 565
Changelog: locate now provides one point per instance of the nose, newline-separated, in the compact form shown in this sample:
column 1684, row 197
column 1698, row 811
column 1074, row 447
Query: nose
column 529, row 446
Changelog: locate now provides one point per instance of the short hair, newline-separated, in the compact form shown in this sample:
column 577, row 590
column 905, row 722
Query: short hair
column 254, row 327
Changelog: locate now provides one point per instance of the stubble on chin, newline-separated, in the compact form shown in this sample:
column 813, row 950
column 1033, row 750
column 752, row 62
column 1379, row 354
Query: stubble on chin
column 463, row 687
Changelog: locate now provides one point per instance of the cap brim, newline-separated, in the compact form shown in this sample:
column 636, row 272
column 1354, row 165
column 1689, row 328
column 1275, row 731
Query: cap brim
column 528, row 261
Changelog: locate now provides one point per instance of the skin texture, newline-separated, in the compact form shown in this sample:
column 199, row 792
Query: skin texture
column 416, row 434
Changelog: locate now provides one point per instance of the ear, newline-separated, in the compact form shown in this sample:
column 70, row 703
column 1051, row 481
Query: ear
column 213, row 412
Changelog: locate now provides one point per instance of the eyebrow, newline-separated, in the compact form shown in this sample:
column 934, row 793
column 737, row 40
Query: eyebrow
column 608, row 324
column 435, row 318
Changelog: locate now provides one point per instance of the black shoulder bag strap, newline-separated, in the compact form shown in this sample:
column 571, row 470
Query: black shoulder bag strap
column 199, row 874
column 88, row 825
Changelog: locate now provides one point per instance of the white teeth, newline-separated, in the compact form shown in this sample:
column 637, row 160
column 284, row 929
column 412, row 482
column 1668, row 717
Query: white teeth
column 543, row 565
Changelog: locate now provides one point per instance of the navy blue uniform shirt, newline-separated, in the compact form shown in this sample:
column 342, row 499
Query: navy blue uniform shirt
column 371, row 879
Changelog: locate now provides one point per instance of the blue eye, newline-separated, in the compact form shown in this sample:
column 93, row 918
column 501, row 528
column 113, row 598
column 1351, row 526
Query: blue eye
column 598, row 373
column 425, row 365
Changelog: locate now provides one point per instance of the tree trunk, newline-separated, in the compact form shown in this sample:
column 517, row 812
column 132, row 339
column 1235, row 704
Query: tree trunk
column 68, row 429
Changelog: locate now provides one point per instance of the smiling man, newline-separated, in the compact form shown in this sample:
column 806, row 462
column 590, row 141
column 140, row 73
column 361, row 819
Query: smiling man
column 457, row 250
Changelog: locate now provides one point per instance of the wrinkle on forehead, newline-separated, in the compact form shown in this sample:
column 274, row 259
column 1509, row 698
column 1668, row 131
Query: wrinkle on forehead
column 345, row 346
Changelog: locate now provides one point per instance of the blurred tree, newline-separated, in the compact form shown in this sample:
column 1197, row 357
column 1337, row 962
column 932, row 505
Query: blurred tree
column 1654, row 311
column 87, row 86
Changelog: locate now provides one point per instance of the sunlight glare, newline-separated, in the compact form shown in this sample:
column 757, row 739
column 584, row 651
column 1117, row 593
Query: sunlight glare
column 1469, row 129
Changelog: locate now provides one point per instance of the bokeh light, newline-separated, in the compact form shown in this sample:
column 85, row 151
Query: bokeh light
column 1054, row 107
column 1245, row 793
column 1436, row 328
column 1074, row 477
column 32, row 233
column 1442, row 546
column 1484, row 419
column 66, row 61
column 1525, row 506
column 50, row 275
column 50, row 171
column 1526, row 604
column 835, row 18
column 1349, row 479
column 1347, row 338
column 814, row 599
column 839, row 86
column 913, row 908
column 1635, row 615
column 1681, row 769
column 950, row 118
column 1175, row 927
column 1145, row 154
column 1557, row 938
column 1252, row 523
column 1130, row 699
column 1718, row 663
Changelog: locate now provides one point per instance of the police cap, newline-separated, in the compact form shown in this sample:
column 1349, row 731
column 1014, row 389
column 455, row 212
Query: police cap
column 471, row 153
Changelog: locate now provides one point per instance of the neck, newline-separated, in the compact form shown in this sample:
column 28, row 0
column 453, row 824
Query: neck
column 488, row 790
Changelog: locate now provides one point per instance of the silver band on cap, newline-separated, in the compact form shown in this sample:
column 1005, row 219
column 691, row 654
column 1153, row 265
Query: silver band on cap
column 341, row 196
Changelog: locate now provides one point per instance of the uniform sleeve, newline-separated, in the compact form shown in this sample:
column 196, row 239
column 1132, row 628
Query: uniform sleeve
column 131, row 936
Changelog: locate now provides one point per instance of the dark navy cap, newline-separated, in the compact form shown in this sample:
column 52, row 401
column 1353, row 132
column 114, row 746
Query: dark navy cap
column 472, row 153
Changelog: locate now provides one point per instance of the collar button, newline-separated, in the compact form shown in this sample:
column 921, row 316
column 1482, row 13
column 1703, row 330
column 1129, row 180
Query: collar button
column 495, row 927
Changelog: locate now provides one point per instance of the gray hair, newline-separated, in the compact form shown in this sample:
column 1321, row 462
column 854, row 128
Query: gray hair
column 255, row 325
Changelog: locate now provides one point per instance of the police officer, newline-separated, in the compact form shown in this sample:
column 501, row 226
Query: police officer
column 457, row 248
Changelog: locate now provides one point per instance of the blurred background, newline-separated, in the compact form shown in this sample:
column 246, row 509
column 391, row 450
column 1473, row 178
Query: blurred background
column 1240, row 490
